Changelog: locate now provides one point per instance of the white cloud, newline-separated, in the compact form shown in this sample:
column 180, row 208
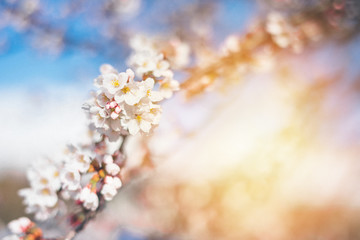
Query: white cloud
column 40, row 122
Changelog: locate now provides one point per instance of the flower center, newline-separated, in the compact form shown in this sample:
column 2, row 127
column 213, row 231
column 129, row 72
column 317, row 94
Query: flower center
column 115, row 82
column 125, row 90
column 138, row 117
column 82, row 159
column 165, row 85
column 44, row 181
column 45, row 191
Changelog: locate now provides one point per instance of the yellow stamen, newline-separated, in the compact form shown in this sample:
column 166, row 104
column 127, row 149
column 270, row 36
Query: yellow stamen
column 45, row 191
column 165, row 85
column 44, row 181
column 125, row 90
column 82, row 159
column 138, row 117
column 115, row 82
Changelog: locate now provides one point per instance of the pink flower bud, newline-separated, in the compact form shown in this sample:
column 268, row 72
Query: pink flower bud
column 117, row 109
column 113, row 104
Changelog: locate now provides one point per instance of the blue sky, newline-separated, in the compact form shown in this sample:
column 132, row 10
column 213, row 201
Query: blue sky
column 23, row 66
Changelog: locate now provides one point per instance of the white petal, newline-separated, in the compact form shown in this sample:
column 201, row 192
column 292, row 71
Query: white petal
column 116, row 125
column 133, row 127
column 155, row 96
column 148, row 83
column 132, row 98
column 145, row 126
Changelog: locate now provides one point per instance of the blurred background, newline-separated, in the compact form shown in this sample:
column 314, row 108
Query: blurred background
column 262, row 142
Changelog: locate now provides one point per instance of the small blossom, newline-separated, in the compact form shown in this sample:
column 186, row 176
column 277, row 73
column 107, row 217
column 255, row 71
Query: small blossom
column 113, row 181
column 44, row 174
column 144, row 62
column 179, row 55
column 113, row 83
column 70, row 178
column 231, row 44
column 140, row 122
column 108, row 159
column 147, row 87
column 130, row 93
column 161, row 66
column 109, row 190
column 20, row 225
column 89, row 198
column 78, row 160
column 112, row 168
column 168, row 85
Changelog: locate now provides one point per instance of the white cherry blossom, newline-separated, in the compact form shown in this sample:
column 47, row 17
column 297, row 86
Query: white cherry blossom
column 19, row 225
column 113, row 181
column 144, row 62
column 147, row 87
column 109, row 190
column 161, row 66
column 43, row 203
column 113, row 83
column 130, row 94
column 180, row 53
column 112, row 168
column 168, row 85
column 78, row 160
column 44, row 174
column 89, row 198
column 140, row 122
column 70, row 178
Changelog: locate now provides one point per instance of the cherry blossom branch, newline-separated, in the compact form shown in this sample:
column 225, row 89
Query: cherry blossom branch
column 122, row 106
column 89, row 215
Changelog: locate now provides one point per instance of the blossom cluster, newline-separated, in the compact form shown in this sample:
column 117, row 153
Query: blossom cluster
column 124, row 105
column 41, row 198
column 23, row 228
column 287, row 35
column 81, row 176
column 90, row 174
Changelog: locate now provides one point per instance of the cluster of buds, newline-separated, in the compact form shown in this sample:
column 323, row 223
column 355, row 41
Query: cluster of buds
column 24, row 229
